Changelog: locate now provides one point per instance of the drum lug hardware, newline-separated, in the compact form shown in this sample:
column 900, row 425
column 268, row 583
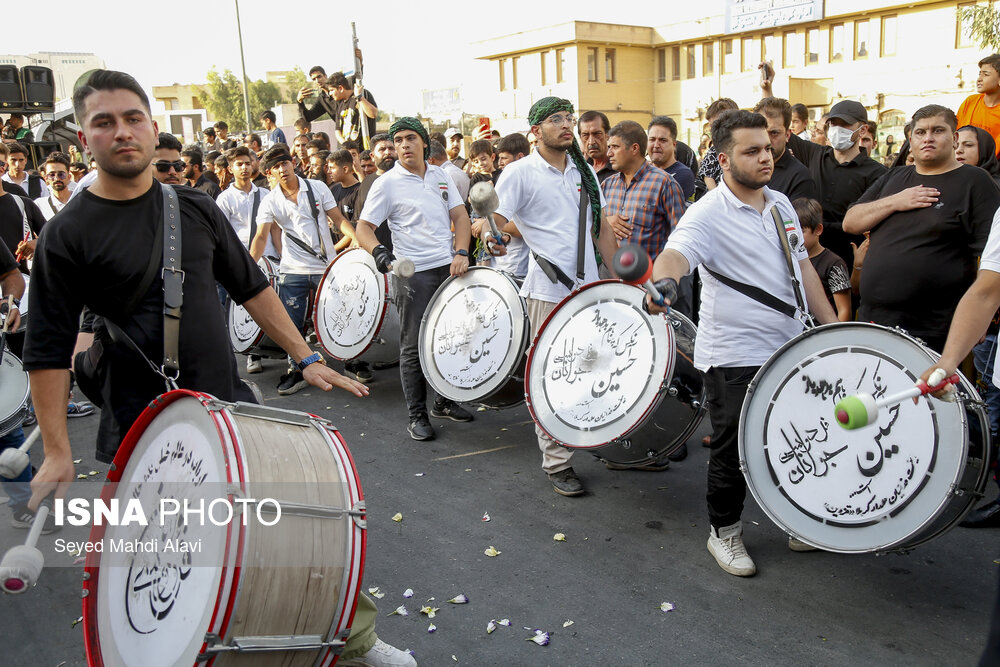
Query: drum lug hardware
column 743, row 466
column 86, row 576
column 357, row 511
column 955, row 490
column 672, row 392
column 266, row 644
column 85, row 593
column 696, row 405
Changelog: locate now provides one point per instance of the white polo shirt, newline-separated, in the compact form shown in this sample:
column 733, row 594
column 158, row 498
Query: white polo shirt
column 49, row 205
column 238, row 207
column 545, row 204
column 733, row 239
column 418, row 212
column 297, row 219
column 458, row 177
column 990, row 261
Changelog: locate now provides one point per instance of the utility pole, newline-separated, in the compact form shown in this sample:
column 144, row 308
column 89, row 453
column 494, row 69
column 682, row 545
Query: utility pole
column 243, row 65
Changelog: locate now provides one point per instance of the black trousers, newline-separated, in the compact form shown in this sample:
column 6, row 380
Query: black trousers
column 412, row 297
column 727, row 489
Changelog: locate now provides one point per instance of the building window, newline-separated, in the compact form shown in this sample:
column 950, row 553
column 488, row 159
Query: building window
column 962, row 39
column 691, row 64
column 661, row 65
column 860, row 40
column 768, row 48
column 560, row 65
column 592, row 63
column 513, row 72
column 749, row 62
column 609, row 65
column 837, row 43
column 812, row 46
column 792, row 49
column 730, row 59
column 675, row 57
column 888, row 36
column 503, row 73
column 708, row 59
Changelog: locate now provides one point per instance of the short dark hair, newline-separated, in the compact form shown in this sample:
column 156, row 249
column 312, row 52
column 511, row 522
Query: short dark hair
column 341, row 158
column 810, row 213
column 730, row 121
column 873, row 128
column 801, row 111
column 381, row 136
column 221, row 161
column 590, row 116
column 338, row 79
column 237, row 151
column 351, row 144
column 317, row 68
column 993, row 60
column 194, row 155
column 481, row 147
column 665, row 122
column 19, row 116
column 514, row 143
column 932, row 110
column 318, row 144
column 775, row 106
column 211, row 156
column 437, row 150
column 221, row 125
column 365, row 155
column 324, row 137
column 438, row 137
column 255, row 138
column 720, row 105
column 168, row 141
column 269, row 115
column 632, row 132
column 78, row 165
column 106, row 79
column 302, row 123
column 57, row 157
column 16, row 147
column 210, row 131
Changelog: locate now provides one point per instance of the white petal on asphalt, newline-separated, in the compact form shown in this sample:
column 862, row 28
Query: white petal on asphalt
column 666, row 606
column 559, row 537
column 504, row 622
column 567, row 624
column 540, row 638
column 376, row 592
column 490, row 627
column 398, row 517
column 431, row 628
column 486, row 516
column 400, row 610
column 459, row 599
column 492, row 551
column 408, row 593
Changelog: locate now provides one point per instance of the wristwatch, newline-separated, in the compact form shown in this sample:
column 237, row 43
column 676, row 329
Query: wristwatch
column 463, row 252
column 311, row 359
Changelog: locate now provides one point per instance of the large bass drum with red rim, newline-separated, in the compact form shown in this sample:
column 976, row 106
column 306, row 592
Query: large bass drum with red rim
column 242, row 592
column 472, row 339
column 894, row 484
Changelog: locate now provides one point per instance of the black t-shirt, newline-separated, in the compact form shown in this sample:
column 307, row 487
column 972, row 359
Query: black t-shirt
column 7, row 262
column 382, row 232
column 206, row 184
column 347, row 111
column 832, row 273
column 14, row 189
column 345, row 197
column 12, row 224
column 94, row 254
column 920, row 262
column 792, row 179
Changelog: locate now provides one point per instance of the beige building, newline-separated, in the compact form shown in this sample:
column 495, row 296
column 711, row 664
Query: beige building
column 894, row 57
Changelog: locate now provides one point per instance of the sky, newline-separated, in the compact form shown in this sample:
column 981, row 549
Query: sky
column 404, row 50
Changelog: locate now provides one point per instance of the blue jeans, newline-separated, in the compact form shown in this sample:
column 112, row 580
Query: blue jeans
column 984, row 354
column 293, row 290
column 17, row 489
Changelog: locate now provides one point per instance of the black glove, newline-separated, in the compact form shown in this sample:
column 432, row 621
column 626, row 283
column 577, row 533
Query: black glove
column 667, row 287
column 383, row 258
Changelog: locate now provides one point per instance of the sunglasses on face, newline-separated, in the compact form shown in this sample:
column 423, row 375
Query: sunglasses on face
column 164, row 167
column 60, row 175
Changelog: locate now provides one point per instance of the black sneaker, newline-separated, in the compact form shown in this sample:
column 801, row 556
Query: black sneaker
column 421, row 429
column 291, row 383
column 362, row 371
column 79, row 409
column 30, row 420
column 566, row 483
column 452, row 411
column 22, row 517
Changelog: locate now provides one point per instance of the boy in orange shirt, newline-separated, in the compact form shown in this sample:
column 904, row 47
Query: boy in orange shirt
column 983, row 109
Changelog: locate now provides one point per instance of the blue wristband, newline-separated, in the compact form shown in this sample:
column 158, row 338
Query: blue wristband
column 311, row 359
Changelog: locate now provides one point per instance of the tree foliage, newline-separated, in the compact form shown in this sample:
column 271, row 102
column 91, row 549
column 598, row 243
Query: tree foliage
column 981, row 24
column 224, row 96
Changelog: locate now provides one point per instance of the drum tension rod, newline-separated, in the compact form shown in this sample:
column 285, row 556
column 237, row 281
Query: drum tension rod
column 266, row 644
column 357, row 511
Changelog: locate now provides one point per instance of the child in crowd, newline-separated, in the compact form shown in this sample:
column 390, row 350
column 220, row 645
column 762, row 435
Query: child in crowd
column 481, row 162
column 831, row 268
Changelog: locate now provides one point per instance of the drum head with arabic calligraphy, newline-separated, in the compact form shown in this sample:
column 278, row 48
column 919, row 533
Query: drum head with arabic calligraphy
column 856, row 490
column 350, row 304
column 598, row 366
column 244, row 332
column 473, row 334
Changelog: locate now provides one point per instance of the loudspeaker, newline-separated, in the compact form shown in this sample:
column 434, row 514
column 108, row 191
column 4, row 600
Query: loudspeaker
column 39, row 89
column 11, row 95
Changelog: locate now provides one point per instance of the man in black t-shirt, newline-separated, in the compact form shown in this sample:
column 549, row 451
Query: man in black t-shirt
column 790, row 177
column 384, row 155
column 343, row 101
column 929, row 222
column 344, row 182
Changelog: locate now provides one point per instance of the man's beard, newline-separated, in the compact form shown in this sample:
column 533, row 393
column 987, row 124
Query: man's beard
column 743, row 178
column 385, row 164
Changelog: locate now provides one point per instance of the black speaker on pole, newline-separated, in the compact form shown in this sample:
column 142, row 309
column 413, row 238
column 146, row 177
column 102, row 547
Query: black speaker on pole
column 39, row 89
column 11, row 95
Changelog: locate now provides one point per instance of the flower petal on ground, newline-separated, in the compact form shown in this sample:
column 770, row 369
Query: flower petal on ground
column 559, row 537
column 666, row 606
column 459, row 599
column 397, row 517
column 492, row 552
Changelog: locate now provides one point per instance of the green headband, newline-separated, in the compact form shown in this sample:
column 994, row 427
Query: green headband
column 547, row 106
column 411, row 123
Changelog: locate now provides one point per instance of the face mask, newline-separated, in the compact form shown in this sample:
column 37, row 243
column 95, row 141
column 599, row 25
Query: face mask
column 840, row 138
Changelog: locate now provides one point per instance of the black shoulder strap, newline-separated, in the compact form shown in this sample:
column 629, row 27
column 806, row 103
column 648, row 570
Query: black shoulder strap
column 581, row 239
column 315, row 211
column 173, row 283
column 156, row 250
column 786, row 248
column 34, row 186
column 253, row 216
column 755, row 293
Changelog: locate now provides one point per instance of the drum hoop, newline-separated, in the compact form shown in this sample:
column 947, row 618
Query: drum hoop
column 17, row 415
column 668, row 371
column 255, row 341
column 772, row 361
column 91, row 635
column 466, row 395
column 379, row 319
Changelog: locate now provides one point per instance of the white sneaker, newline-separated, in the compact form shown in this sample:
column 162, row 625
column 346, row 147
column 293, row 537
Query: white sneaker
column 726, row 545
column 382, row 655
column 254, row 365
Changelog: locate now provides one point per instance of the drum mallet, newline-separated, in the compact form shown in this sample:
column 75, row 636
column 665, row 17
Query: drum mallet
column 631, row 263
column 861, row 410
column 14, row 460
column 484, row 201
column 22, row 564
column 403, row 268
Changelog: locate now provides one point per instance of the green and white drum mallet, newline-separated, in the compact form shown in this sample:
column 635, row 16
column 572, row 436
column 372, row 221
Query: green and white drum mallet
column 860, row 410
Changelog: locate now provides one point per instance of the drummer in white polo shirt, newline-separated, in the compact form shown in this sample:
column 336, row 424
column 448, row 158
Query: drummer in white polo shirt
column 542, row 192
column 731, row 232
column 420, row 203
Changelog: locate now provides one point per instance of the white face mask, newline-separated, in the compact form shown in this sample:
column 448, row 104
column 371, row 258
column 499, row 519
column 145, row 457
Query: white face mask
column 840, row 138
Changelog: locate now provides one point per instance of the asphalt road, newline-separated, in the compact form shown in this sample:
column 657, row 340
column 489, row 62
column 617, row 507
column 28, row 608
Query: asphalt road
column 636, row 540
